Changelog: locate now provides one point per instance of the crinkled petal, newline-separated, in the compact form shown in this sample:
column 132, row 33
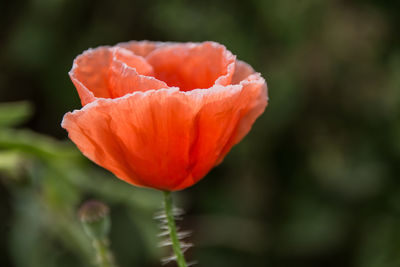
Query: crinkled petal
column 142, row 138
column 254, row 100
column 166, row 139
column 190, row 66
column 124, row 80
column 242, row 71
column 89, row 74
column 91, row 71
column 134, row 61
column 225, row 117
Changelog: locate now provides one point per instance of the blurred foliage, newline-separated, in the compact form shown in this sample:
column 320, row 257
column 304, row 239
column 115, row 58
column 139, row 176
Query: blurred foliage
column 314, row 184
column 14, row 113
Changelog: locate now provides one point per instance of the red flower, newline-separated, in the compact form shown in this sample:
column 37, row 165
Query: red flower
column 161, row 115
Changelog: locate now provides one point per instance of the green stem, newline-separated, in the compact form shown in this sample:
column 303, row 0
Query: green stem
column 176, row 246
column 103, row 253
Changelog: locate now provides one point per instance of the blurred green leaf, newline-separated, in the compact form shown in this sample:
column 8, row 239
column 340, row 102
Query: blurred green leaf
column 14, row 113
column 36, row 144
column 9, row 162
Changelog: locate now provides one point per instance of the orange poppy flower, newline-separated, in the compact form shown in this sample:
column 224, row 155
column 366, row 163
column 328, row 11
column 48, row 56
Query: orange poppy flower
column 161, row 115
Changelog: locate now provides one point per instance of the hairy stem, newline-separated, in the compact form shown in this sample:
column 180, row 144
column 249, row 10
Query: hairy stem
column 176, row 246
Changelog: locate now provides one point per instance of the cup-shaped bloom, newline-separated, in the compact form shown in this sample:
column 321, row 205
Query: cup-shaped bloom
column 161, row 115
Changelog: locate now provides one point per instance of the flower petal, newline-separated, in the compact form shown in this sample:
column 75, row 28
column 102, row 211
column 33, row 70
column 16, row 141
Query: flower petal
column 134, row 61
column 254, row 100
column 242, row 71
column 124, row 80
column 91, row 71
column 225, row 117
column 166, row 139
column 142, row 138
column 190, row 66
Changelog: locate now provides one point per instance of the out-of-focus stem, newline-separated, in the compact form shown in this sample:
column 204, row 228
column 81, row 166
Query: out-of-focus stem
column 104, row 257
column 176, row 246
column 96, row 222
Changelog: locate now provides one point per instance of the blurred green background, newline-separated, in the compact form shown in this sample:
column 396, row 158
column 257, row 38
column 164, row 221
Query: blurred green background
column 315, row 183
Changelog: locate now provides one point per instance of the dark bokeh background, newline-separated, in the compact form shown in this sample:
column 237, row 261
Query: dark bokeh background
column 314, row 184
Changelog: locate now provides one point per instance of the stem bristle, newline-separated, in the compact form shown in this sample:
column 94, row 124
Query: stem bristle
column 172, row 234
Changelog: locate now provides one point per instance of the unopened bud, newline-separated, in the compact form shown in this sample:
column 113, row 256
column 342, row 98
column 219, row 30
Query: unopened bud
column 95, row 220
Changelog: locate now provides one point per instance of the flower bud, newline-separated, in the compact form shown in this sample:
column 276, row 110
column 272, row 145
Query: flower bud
column 95, row 220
